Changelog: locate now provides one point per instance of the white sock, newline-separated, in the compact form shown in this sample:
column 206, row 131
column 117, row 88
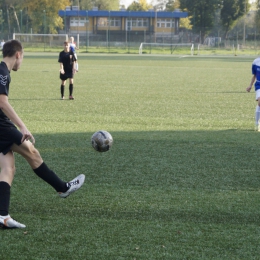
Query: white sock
column 77, row 66
column 257, row 115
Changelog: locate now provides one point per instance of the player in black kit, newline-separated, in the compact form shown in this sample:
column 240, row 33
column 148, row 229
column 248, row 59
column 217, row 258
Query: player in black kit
column 20, row 141
column 67, row 69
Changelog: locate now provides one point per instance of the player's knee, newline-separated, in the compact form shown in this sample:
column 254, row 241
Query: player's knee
column 34, row 159
column 34, row 153
column 8, row 171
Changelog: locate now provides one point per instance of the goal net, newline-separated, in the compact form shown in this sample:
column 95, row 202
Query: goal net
column 176, row 48
column 42, row 41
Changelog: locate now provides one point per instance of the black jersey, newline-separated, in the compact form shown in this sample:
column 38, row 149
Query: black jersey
column 67, row 59
column 5, row 80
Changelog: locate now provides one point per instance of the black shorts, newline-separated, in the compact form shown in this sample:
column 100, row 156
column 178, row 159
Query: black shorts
column 8, row 137
column 66, row 76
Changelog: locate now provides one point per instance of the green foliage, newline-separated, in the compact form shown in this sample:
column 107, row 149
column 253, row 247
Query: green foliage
column 10, row 10
column 202, row 12
column 231, row 11
column 181, row 181
column 257, row 17
column 141, row 5
column 24, row 15
column 171, row 5
column 44, row 14
column 101, row 4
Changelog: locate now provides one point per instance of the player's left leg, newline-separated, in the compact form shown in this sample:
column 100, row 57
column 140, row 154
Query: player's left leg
column 71, row 89
column 257, row 111
column 6, row 178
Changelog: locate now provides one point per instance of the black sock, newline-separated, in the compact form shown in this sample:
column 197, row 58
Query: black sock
column 71, row 89
column 62, row 90
column 4, row 198
column 50, row 177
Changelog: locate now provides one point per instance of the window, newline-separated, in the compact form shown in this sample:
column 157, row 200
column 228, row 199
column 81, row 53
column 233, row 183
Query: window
column 115, row 22
column 137, row 22
column 165, row 23
column 104, row 21
column 78, row 21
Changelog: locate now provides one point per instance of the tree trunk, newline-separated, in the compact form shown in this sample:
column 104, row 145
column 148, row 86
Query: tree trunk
column 16, row 19
column 8, row 19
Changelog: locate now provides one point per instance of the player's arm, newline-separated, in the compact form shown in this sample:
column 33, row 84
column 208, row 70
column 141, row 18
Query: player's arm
column 74, row 59
column 74, row 67
column 12, row 115
column 61, row 64
column 61, row 68
column 251, row 83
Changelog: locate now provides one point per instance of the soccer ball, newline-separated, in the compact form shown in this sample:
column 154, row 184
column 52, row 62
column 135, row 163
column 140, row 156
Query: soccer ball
column 101, row 141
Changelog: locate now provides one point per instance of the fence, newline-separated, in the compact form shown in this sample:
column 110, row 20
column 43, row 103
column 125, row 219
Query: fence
column 129, row 42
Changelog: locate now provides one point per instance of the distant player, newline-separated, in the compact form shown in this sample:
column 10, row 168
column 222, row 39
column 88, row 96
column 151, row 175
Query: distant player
column 256, row 79
column 73, row 48
column 20, row 141
column 67, row 69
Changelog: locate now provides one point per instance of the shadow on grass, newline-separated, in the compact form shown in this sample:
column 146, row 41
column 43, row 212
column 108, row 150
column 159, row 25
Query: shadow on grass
column 41, row 99
column 192, row 181
column 213, row 160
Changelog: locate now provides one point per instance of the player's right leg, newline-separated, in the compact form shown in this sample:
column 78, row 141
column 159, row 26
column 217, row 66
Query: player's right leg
column 6, row 178
column 62, row 86
column 33, row 157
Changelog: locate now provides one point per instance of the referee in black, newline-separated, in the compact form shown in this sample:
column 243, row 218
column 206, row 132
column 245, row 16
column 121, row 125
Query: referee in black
column 67, row 61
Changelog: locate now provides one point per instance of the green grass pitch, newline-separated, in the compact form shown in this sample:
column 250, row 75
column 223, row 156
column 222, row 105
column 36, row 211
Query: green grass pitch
column 182, row 178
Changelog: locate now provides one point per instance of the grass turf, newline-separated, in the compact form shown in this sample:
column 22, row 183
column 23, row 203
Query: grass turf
column 181, row 181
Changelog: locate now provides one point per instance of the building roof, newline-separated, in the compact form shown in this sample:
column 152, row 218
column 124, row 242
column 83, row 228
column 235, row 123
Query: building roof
column 92, row 13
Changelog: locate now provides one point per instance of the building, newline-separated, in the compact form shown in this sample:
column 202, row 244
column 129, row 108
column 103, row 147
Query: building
column 97, row 22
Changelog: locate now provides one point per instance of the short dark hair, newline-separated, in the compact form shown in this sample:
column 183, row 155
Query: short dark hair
column 11, row 47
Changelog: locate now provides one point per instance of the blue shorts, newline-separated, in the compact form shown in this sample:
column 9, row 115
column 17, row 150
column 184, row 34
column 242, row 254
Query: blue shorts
column 8, row 137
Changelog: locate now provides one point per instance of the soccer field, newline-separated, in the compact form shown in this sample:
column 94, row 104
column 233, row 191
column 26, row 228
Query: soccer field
column 182, row 178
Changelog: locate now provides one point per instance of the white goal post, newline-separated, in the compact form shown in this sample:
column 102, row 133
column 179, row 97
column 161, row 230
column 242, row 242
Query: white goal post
column 39, row 40
column 162, row 45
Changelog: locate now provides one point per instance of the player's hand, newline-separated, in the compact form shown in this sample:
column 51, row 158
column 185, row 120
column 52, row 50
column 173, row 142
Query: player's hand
column 27, row 136
column 248, row 88
column 62, row 71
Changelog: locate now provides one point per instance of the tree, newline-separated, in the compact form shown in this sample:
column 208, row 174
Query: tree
column 172, row 5
column 202, row 12
column 9, row 15
column 231, row 11
column 44, row 14
column 100, row 4
column 141, row 5
column 257, row 17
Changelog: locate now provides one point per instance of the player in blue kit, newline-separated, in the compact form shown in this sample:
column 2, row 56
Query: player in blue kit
column 20, row 141
column 73, row 48
column 256, row 79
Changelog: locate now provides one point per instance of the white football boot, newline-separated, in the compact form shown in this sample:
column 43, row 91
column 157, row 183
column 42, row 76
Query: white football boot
column 8, row 222
column 74, row 185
